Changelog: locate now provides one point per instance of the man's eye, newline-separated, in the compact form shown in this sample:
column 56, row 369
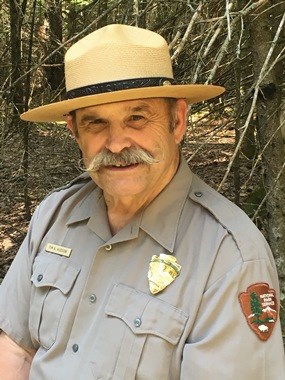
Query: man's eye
column 136, row 121
column 136, row 117
column 97, row 122
column 94, row 125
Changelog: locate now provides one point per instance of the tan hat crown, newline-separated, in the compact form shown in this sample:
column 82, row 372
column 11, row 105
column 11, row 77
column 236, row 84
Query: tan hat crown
column 116, row 52
column 118, row 63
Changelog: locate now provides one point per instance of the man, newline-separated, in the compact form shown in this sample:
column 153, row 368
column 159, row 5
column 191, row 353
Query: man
column 137, row 270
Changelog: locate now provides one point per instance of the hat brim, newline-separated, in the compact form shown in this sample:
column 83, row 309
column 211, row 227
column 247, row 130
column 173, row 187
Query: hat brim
column 58, row 111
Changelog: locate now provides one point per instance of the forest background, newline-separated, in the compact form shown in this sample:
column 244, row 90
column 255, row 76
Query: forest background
column 235, row 142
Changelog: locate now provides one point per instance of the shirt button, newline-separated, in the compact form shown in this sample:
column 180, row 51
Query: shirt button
column 108, row 247
column 137, row 322
column 40, row 277
column 198, row 194
column 75, row 348
column 92, row 298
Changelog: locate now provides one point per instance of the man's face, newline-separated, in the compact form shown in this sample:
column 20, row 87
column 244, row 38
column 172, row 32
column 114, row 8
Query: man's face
column 148, row 124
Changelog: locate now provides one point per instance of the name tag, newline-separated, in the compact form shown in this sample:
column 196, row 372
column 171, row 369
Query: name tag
column 58, row 249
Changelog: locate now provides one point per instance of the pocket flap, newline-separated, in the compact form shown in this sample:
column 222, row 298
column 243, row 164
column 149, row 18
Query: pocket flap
column 53, row 271
column 145, row 314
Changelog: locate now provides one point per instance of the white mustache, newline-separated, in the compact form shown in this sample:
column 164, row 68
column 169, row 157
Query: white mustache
column 128, row 156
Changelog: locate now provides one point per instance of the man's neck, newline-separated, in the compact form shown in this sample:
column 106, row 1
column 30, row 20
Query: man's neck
column 121, row 211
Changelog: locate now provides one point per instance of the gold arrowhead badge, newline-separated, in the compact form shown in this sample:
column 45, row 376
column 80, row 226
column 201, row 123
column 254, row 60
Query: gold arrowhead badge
column 163, row 270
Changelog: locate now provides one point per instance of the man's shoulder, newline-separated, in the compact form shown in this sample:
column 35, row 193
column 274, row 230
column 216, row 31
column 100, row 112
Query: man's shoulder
column 70, row 194
column 216, row 203
column 72, row 186
column 227, row 214
column 58, row 207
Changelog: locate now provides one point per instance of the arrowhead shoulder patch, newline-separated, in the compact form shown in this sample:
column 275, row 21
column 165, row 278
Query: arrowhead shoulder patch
column 260, row 308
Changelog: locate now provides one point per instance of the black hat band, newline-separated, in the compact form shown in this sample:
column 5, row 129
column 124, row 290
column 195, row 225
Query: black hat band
column 126, row 84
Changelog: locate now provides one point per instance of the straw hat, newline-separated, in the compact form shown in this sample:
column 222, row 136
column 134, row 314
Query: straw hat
column 116, row 63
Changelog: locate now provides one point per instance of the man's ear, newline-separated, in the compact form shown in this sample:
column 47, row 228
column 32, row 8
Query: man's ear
column 180, row 119
column 70, row 126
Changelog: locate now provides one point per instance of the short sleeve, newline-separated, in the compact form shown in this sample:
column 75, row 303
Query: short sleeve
column 15, row 291
column 222, row 345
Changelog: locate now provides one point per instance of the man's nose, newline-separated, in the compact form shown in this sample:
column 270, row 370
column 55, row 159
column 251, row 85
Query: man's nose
column 117, row 138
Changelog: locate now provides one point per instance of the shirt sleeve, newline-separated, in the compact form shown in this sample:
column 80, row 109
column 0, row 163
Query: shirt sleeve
column 222, row 345
column 15, row 291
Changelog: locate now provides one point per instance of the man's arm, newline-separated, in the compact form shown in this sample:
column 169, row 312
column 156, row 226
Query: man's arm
column 15, row 361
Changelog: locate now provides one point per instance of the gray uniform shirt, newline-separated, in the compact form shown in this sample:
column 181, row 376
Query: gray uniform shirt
column 91, row 315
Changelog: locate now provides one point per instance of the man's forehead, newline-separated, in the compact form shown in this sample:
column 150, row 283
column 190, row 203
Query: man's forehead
column 128, row 105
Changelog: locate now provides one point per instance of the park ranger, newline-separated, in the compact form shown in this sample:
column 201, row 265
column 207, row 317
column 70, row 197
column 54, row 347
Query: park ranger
column 137, row 269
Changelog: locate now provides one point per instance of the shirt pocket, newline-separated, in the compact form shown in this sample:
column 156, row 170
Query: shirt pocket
column 53, row 278
column 148, row 330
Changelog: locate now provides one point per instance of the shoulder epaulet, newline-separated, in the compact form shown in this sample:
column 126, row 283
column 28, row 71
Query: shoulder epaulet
column 229, row 215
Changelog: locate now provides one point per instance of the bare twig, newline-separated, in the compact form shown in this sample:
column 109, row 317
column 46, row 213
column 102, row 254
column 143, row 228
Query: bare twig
column 187, row 33
column 174, row 41
column 228, row 9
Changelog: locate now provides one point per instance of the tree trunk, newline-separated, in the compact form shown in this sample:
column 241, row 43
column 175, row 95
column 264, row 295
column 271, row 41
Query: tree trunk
column 16, row 57
column 17, row 12
column 269, row 132
column 54, row 67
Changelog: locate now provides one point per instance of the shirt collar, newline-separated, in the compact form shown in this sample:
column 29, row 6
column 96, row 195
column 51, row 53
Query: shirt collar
column 160, row 219
column 81, row 203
